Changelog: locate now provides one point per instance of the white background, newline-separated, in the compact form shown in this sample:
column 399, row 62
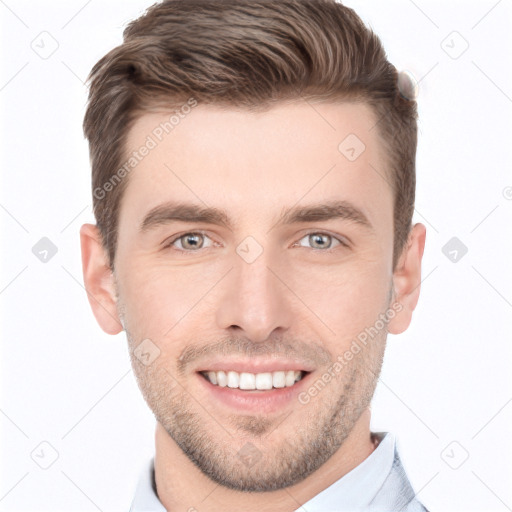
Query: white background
column 446, row 383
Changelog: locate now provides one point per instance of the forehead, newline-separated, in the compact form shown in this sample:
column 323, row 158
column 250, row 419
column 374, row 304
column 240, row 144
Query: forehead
column 254, row 164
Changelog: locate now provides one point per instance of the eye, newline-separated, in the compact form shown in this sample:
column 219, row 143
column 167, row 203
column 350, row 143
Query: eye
column 189, row 242
column 197, row 240
column 322, row 241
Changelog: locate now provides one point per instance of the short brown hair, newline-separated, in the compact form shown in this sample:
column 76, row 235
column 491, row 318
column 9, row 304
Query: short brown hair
column 245, row 54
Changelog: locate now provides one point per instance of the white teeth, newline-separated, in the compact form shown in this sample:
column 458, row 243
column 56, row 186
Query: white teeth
column 290, row 378
column 264, row 381
column 233, row 379
column 279, row 379
column 222, row 379
column 248, row 381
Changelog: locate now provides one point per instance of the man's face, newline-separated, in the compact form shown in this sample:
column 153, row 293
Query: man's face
column 261, row 293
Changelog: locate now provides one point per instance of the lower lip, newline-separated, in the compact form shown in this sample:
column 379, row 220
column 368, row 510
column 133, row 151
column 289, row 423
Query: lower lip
column 266, row 401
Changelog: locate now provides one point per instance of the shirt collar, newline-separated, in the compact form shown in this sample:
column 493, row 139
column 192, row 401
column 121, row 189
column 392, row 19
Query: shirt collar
column 356, row 489
column 146, row 498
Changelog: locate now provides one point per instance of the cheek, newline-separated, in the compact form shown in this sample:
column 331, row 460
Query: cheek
column 346, row 297
column 160, row 299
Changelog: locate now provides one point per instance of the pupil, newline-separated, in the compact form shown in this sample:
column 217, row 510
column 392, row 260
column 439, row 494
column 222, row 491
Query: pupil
column 318, row 238
column 190, row 238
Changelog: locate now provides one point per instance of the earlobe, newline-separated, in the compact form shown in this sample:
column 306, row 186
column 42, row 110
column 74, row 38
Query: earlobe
column 99, row 280
column 407, row 280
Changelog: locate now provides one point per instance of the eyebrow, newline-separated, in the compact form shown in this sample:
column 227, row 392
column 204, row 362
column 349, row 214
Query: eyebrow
column 170, row 211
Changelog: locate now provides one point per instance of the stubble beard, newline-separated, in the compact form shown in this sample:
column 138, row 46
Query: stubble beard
column 283, row 451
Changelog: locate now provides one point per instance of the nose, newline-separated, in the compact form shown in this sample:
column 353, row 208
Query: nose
column 255, row 300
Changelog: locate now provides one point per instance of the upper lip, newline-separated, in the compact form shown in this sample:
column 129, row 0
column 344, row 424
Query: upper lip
column 254, row 366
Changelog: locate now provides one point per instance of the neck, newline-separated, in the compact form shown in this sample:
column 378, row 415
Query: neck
column 182, row 486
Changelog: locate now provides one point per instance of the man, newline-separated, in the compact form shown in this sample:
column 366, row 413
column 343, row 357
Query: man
column 253, row 175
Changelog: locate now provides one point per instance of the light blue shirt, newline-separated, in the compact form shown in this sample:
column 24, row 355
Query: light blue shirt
column 378, row 484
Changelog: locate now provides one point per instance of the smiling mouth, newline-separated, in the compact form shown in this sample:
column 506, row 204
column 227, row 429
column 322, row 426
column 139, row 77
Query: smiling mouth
column 246, row 381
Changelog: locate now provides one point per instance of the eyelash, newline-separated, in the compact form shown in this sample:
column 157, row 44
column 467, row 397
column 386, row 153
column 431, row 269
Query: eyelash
column 203, row 233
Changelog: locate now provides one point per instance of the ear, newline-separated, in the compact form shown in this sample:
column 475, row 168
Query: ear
column 407, row 279
column 99, row 280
